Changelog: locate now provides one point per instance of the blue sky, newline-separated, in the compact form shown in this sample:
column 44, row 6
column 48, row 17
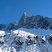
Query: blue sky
column 11, row 10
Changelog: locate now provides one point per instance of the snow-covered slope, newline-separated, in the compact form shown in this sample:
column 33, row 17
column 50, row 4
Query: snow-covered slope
column 23, row 33
column 24, row 40
column 38, row 47
column 37, row 31
column 2, row 33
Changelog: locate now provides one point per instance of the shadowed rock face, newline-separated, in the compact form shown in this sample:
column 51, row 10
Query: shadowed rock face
column 36, row 21
column 49, row 38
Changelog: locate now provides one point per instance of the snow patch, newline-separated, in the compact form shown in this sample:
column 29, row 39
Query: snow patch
column 2, row 33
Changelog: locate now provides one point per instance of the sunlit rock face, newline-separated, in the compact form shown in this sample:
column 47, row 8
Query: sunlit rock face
column 21, row 41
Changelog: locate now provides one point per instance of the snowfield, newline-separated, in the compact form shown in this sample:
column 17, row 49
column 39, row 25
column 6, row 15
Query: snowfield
column 22, row 40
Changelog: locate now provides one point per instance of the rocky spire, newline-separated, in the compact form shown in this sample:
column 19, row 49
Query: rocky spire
column 25, row 16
